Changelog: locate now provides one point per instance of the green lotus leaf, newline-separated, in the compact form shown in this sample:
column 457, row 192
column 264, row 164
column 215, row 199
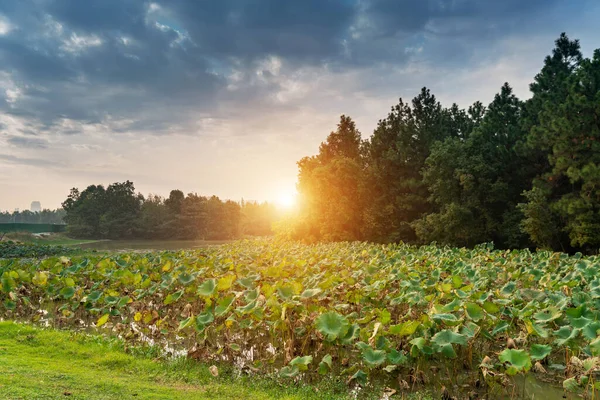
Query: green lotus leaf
column 362, row 346
column 247, row 282
column 517, row 360
column 247, row 308
column 397, row 357
column 589, row 364
column 207, row 288
column 590, row 331
column 490, row 307
column 547, row 314
column 390, row 368
column 9, row 304
column 452, row 306
column 446, row 336
column 94, row 296
column 448, row 351
column 289, row 371
column 565, row 334
column 223, row 305
column 123, row 301
column 121, row 263
column 186, row 278
column 308, row 293
column 449, row 319
column 325, row 365
column 457, row 281
column 351, row 335
column 576, row 312
column 534, row 328
column 470, row 329
column 285, row 292
column 595, row 347
column 419, row 342
column 373, row 357
column 332, row 325
column 580, row 322
column 419, row 346
column 252, row 294
column 301, row 362
column 185, row 323
column 474, row 311
column 509, row 288
column 203, row 320
column 571, row 385
column 173, row 297
column 67, row 292
column 539, row 351
column 360, row 377
column 405, row 328
column 40, row 278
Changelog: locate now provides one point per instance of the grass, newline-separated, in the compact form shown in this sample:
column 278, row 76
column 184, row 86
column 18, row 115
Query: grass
column 40, row 363
column 55, row 239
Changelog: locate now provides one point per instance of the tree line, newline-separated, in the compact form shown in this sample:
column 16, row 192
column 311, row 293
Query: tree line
column 516, row 173
column 45, row 216
column 118, row 212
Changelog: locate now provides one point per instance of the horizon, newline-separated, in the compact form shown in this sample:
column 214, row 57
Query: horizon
column 160, row 93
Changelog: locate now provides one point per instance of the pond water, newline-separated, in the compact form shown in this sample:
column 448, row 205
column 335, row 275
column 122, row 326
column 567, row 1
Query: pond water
column 112, row 245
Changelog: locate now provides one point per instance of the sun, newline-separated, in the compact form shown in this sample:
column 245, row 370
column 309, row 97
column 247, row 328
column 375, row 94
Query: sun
column 286, row 201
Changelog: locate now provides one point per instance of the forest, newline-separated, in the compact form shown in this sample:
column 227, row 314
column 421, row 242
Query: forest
column 118, row 212
column 518, row 173
column 40, row 217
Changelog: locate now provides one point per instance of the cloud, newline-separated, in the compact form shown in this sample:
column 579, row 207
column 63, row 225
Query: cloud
column 229, row 94
column 27, row 142
column 163, row 66
column 35, row 162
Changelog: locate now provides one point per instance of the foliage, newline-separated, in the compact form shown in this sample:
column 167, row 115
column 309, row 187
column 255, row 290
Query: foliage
column 117, row 212
column 519, row 174
column 11, row 249
column 39, row 217
column 395, row 156
column 357, row 310
column 331, row 188
column 97, row 212
column 570, row 132
column 476, row 183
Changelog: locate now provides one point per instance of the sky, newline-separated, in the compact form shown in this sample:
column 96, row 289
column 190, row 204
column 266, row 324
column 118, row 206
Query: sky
column 224, row 97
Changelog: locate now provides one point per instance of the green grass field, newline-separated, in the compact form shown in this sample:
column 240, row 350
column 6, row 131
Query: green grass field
column 48, row 364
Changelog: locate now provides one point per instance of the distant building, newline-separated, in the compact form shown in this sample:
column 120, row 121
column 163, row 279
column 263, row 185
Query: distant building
column 36, row 206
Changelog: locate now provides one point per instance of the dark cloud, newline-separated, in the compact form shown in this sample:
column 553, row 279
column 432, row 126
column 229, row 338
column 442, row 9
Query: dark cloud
column 27, row 142
column 308, row 30
column 160, row 64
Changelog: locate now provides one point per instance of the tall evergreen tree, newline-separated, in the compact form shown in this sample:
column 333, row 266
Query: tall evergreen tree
column 396, row 155
column 550, row 90
column 476, row 183
column 330, row 187
column 564, row 204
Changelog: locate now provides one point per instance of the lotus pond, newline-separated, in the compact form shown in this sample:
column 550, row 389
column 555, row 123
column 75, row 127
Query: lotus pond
column 477, row 321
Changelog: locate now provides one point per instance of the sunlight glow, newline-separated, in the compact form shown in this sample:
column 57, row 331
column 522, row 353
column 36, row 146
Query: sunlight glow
column 286, row 200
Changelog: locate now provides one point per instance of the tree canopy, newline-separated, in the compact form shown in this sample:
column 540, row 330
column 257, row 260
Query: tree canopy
column 516, row 173
column 118, row 212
